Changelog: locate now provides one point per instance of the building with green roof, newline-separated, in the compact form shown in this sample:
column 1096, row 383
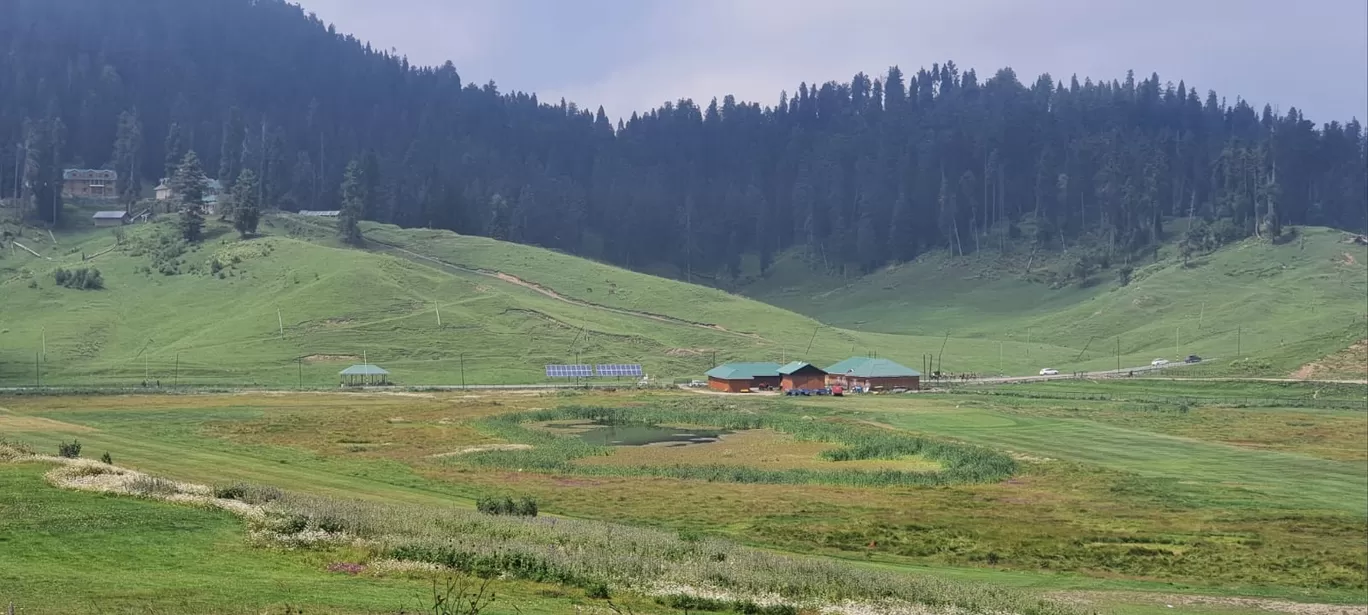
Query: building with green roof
column 873, row 374
column 741, row 377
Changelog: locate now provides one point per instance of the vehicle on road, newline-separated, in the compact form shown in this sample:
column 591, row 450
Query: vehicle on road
column 1192, row 358
column 1049, row 371
column 695, row 384
column 1159, row 362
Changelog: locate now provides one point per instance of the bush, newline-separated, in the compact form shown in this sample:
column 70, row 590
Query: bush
column 250, row 494
column 70, row 450
column 152, row 486
column 106, row 459
column 597, row 591
column 1123, row 275
column 526, row 507
column 85, row 278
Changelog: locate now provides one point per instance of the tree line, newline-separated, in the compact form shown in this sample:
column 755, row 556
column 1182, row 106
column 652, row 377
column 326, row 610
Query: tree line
column 857, row 174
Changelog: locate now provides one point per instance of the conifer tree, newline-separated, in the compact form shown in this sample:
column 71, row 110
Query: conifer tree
column 349, row 219
column 246, row 208
column 188, row 184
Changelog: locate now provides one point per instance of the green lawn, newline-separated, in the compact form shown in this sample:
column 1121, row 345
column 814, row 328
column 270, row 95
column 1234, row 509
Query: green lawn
column 1231, row 475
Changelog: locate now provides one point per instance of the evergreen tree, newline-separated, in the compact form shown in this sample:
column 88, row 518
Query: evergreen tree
column 188, row 183
column 230, row 160
column 128, row 158
column 44, row 142
column 246, row 208
column 348, row 221
column 175, row 150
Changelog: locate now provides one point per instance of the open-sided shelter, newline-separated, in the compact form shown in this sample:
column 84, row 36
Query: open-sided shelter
column 361, row 375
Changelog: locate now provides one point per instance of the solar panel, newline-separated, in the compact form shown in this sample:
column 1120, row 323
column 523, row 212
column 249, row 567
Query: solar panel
column 569, row 371
column 619, row 369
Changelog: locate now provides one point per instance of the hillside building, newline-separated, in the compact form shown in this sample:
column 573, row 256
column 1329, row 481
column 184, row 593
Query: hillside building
column 90, row 184
column 873, row 374
column 802, row 376
column 742, row 377
column 110, row 218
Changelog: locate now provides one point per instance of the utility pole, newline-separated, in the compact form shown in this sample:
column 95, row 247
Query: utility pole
column 1175, row 341
column 301, row 372
column 1237, row 342
column 1118, row 354
column 463, row 382
column 1000, row 357
column 44, row 343
column 175, row 380
column 37, row 371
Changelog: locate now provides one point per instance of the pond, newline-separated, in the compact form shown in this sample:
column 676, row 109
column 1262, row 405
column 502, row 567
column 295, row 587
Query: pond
column 640, row 435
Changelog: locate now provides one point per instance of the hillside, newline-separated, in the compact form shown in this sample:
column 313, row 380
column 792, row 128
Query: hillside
column 509, row 309
column 222, row 323
column 1280, row 305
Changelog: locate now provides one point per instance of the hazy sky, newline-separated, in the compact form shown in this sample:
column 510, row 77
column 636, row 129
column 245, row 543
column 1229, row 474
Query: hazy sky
column 635, row 54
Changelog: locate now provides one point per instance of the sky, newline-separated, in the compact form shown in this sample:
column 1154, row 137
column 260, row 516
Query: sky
column 633, row 55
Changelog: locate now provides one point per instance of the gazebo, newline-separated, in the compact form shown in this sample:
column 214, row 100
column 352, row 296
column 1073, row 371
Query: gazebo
column 362, row 375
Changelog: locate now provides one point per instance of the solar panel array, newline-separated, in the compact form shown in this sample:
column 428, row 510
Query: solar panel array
column 569, row 371
column 619, row 370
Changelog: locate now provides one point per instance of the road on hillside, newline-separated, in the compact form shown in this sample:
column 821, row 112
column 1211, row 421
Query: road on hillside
column 1110, row 373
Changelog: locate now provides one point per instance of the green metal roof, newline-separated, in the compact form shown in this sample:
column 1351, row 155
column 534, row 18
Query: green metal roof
column 866, row 367
column 795, row 366
column 743, row 371
column 364, row 370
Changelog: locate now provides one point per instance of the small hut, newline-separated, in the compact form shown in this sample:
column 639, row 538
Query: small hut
column 364, row 375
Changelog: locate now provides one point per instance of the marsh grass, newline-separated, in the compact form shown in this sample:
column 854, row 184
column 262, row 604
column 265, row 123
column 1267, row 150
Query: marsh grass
column 552, row 452
column 607, row 557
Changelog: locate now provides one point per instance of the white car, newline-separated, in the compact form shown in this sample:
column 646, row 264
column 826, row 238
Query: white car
column 1159, row 362
column 1049, row 371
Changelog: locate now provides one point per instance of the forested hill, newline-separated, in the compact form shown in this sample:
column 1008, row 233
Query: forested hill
column 865, row 172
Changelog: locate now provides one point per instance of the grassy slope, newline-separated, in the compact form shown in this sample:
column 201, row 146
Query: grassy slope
column 1293, row 302
column 381, row 304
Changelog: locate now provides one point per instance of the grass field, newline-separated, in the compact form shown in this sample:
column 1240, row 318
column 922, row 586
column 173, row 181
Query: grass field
column 292, row 307
column 1120, row 499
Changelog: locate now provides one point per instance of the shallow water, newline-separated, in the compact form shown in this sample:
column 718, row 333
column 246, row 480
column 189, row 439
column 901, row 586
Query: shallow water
column 641, row 435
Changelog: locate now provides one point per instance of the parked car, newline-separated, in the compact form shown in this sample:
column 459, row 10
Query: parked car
column 1159, row 362
column 1049, row 371
column 1192, row 358
column 695, row 384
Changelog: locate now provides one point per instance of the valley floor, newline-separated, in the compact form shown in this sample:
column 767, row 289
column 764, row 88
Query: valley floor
column 1128, row 497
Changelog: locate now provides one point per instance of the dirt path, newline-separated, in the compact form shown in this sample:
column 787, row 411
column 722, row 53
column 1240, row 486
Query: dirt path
column 533, row 286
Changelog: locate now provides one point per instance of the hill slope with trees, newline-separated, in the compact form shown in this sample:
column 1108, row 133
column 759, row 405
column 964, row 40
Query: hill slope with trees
column 859, row 174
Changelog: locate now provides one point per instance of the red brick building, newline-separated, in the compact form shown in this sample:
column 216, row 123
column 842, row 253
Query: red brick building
column 800, row 375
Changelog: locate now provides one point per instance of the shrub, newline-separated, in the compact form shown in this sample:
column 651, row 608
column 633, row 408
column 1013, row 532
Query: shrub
column 250, row 494
column 70, row 450
column 1123, row 275
column 526, row 507
column 106, row 459
column 152, row 486
column 85, row 278
column 597, row 591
